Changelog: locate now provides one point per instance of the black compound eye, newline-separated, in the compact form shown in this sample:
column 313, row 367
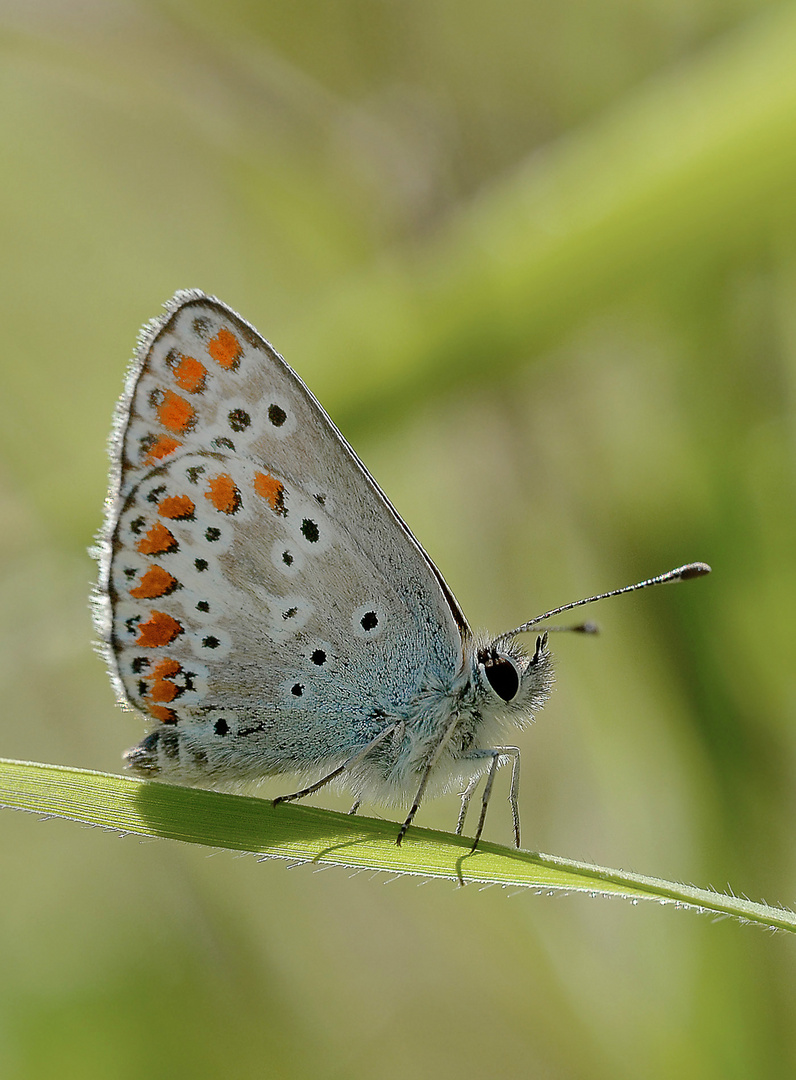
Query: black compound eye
column 502, row 675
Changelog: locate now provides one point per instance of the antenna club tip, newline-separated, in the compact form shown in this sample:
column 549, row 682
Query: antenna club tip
column 586, row 628
column 692, row 570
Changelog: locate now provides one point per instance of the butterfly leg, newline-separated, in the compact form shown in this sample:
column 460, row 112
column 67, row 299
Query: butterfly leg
column 355, row 807
column 496, row 753
column 432, row 761
column 353, row 761
column 466, row 796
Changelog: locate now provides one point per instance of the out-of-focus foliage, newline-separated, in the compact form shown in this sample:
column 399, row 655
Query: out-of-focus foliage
column 539, row 259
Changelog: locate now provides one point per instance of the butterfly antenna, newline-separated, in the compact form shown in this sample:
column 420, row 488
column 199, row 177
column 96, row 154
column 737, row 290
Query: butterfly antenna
column 682, row 573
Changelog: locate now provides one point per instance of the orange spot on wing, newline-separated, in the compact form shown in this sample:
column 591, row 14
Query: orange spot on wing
column 160, row 448
column 223, row 494
column 157, row 541
column 159, row 629
column 271, row 490
column 162, row 689
column 160, row 712
column 190, row 374
column 225, row 349
column 176, row 506
column 155, row 582
column 175, row 413
column 166, row 668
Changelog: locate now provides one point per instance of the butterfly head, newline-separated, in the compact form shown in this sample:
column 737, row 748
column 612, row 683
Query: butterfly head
column 509, row 676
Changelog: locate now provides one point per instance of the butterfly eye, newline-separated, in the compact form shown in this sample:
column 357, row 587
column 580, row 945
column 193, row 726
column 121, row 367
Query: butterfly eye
column 501, row 674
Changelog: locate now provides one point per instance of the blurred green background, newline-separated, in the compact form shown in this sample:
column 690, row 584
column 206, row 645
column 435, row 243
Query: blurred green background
column 539, row 262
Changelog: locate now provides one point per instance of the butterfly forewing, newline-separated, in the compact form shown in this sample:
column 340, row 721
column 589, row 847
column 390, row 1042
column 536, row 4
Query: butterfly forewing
column 251, row 557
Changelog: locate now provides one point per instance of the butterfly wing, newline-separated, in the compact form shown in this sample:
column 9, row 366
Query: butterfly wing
column 255, row 582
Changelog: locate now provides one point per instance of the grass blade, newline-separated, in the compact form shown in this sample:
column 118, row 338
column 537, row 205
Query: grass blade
column 323, row 837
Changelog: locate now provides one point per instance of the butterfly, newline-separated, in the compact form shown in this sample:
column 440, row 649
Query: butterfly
column 265, row 607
